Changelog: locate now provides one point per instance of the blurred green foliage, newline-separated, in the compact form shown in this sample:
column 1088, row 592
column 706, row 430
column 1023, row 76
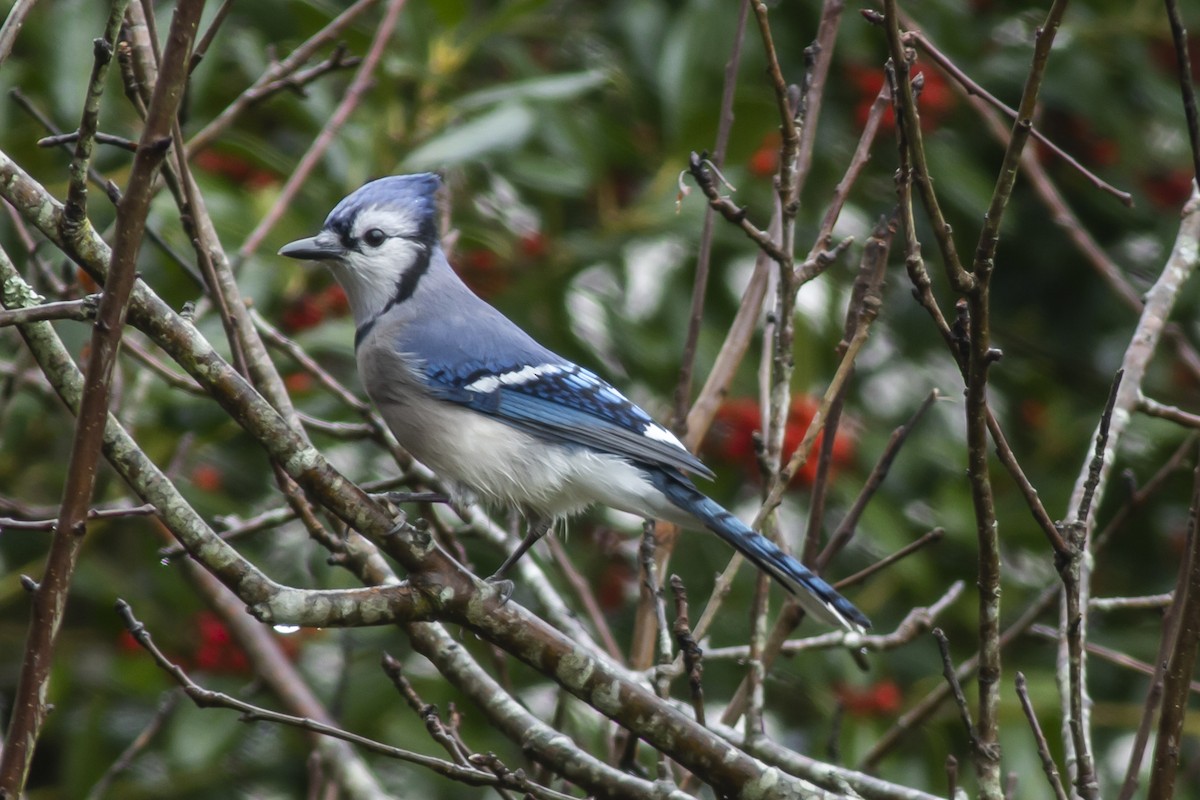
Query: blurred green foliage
column 562, row 128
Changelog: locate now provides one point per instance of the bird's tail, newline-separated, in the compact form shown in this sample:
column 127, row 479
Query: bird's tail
column 814, row 594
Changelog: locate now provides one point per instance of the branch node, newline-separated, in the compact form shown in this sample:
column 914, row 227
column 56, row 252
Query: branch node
column 159, row 145
column 102, row 50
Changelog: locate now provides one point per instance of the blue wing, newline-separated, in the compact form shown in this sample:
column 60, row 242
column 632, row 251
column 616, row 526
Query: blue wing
column 564, row 402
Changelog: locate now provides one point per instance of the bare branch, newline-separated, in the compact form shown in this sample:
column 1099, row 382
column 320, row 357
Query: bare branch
column 916, row 622
column 683, row 389
column 1186, row 89
column 973, row 89
column 1042, row 747
column 206, row 698
column 350, row 100
column 29, row 707
column 1181, row 660
column 278, row 71
column 79, row 310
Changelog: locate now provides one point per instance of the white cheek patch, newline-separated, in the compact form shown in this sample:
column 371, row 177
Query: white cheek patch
column 491, row 383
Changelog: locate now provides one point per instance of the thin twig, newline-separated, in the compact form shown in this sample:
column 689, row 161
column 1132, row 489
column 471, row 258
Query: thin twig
column 700, row 170
column 909, row 126
column 974, row 89
column 1074, row 619
column 879, row 472
column 279, row 70
column 693, row 656
column 350, row 100
column 1155, row 602
column 819, row 56
column 206, row 40
column 12, row 26
column 75, row 208
column 426, row 711
column 1129, row 786
column 1186, row 89
column 583, row 590
column 80, row 310
column 274, row 337
column 49, row 602
column 301, row 78
column 206, row 698
column 1143, row 343
column 1112, row 656
column 94, row 514
column 916, row 622
column 960, row 699
column 932, row 537
column 858, row 161
column 867, row 283
column 166, row 708
column 1154, row 408
column 1181, row 660
column 683, row 388
column 128, row 145
column 1043, row 748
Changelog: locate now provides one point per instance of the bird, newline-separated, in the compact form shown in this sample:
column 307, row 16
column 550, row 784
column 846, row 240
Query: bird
column 499, row 416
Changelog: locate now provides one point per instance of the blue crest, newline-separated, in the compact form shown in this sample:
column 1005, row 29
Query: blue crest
column 410, row 192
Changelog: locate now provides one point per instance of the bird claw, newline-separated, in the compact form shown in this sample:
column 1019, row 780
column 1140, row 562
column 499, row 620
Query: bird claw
column 503, row 587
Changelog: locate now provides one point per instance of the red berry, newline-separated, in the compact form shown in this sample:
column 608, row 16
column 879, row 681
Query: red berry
column 334, row 300
column 935, row 100
column 235, row 168
column 301, row 314
column 1169, row 190
column 764, row 162
column 882, row 698
column 533, row 245
column 216, row 650
column 207, row 478
column 298, row 382
column 482, row 271
column 732, row 436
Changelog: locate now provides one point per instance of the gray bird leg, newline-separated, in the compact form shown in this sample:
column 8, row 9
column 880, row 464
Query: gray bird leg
column 536, row 531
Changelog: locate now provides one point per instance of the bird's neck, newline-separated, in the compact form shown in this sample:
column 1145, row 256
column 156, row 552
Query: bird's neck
column 429, row 285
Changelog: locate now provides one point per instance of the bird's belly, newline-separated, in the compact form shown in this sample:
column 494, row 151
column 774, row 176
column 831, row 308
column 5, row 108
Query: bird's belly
column 498, row 463
column 506, row 466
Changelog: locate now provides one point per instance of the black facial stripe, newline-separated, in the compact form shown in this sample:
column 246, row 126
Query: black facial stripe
column 361, row 331
column 408, row 281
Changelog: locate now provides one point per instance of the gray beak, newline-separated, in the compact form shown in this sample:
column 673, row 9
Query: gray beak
column 322, row 247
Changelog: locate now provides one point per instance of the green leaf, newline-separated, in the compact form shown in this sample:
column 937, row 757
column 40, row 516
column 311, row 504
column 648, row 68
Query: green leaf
column 504, row 128
column 555, row 87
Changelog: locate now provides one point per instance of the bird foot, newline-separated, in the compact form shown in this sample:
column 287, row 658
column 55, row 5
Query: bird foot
column 503, row 587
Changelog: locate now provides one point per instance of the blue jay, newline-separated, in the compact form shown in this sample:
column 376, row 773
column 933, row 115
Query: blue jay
column 478, row 401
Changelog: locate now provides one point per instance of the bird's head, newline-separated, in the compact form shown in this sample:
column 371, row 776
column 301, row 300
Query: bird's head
column 378, row 241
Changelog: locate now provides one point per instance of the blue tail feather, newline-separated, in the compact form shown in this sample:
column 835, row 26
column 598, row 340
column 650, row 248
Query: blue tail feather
column 811, row 591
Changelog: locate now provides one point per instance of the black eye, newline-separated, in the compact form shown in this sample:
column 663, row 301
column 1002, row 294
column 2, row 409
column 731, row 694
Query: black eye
column 374, row 237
